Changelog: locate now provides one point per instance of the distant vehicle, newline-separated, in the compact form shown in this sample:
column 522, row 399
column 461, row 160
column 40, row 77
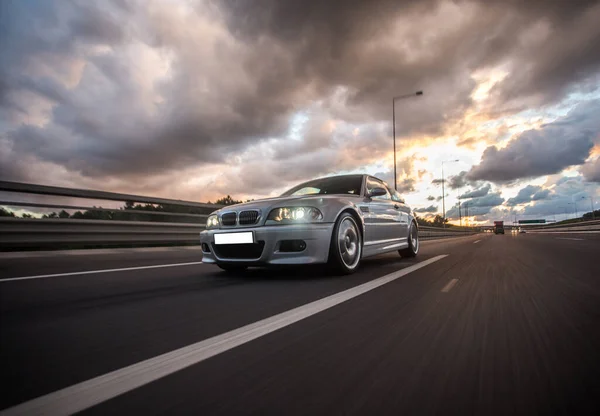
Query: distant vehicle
column 498, row 227
column 522, row 231
column 337, row 220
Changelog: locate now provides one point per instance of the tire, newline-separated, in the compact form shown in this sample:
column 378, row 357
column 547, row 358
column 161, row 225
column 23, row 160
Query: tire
column 345, row 249
column 413, row 242
column 232, row 268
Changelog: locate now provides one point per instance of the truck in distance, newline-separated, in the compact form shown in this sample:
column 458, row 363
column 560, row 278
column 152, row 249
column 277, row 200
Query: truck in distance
column 498, row 227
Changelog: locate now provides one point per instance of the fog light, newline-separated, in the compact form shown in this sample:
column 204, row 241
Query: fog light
column 292, row 246
column 205, row 248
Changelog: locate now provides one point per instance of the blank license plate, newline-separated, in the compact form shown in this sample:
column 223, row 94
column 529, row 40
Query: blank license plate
column 234, row 238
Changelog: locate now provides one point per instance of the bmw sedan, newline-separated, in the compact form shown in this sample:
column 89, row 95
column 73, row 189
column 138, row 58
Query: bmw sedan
column 336, row 220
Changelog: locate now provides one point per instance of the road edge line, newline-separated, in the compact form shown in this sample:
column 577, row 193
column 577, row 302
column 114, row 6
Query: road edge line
column 82, row 396
column 124, row 269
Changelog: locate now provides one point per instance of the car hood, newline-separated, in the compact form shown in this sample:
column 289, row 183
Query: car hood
column 289, row 201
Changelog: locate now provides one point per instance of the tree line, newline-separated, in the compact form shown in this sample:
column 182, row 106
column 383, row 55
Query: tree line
column 131, row 211
column 438, row 221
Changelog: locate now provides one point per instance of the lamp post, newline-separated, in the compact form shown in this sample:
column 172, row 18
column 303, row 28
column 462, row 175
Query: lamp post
column 444, row 192
column 592, row 204
column 399, row 97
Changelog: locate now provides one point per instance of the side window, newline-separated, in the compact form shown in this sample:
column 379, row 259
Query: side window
column 374, row 183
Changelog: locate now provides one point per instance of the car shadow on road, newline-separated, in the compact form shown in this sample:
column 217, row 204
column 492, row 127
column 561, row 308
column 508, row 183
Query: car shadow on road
column 312, row 272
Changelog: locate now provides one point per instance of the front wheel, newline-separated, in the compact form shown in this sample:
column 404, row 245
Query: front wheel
column 345, row 249
column 413, row 242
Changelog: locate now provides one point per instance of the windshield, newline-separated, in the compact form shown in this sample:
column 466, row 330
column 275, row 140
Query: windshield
column 337, row 185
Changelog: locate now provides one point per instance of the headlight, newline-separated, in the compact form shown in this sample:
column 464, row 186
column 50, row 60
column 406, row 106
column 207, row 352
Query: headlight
column 212, row 221
column 295, row 214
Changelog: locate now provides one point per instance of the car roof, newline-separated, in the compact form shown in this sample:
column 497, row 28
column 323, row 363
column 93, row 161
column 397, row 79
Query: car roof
column 342, row 176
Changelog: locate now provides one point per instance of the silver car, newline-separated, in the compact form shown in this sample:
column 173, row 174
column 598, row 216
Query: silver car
column 337, row 220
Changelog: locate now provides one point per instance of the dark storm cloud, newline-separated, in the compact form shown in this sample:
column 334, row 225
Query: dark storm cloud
column 556, row 146
column 556, row 206
column 30, row 27
column 531, row 155
column 223, row 95
column 541, row 195
column 12, row 169
column 565, row 50
column 405, row 185
column 430, row 209
column 528, row 194
column 329, row 38
column 543, row 203
column 456, row 181
column 569, row 196
column 460, row 180
column 335, row 45
column 100, row 128
column 591, row 171
column 477, row 192
column 489, row 200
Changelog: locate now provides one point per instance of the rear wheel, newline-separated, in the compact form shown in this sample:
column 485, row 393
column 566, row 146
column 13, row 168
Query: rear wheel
column 413, row 242
column 232, row 267
column 345, row 248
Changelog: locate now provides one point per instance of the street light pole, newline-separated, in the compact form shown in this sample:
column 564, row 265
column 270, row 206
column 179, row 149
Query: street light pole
column 399, row 97
column 444, row 192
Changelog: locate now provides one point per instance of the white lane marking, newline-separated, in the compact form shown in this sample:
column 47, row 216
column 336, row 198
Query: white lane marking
column 574, row 239
column 450, row 285
column 87, row 252
column 475, row 242
column 89, row 393
column 124, row 269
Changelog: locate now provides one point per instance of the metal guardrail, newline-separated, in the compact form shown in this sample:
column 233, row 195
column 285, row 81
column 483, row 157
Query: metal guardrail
column 583, row 226
column 157, row 209
column 28, row 233
column 160, row 222
column 98, row 209
column 29, row 188
column 430, row 233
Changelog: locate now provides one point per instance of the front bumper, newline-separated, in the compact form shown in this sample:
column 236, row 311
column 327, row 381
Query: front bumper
column 316, row 236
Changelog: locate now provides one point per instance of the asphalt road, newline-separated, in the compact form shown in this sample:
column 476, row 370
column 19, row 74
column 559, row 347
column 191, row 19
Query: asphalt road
column 501, row 324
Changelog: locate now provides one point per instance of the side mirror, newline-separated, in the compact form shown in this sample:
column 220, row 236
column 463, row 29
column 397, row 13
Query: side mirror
column 377, row 192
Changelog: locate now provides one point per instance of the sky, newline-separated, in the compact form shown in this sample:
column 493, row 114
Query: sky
column 196, row 100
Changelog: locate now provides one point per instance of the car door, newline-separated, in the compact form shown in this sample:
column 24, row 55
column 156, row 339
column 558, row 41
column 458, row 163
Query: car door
column 403, row 214
column 381, row 224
